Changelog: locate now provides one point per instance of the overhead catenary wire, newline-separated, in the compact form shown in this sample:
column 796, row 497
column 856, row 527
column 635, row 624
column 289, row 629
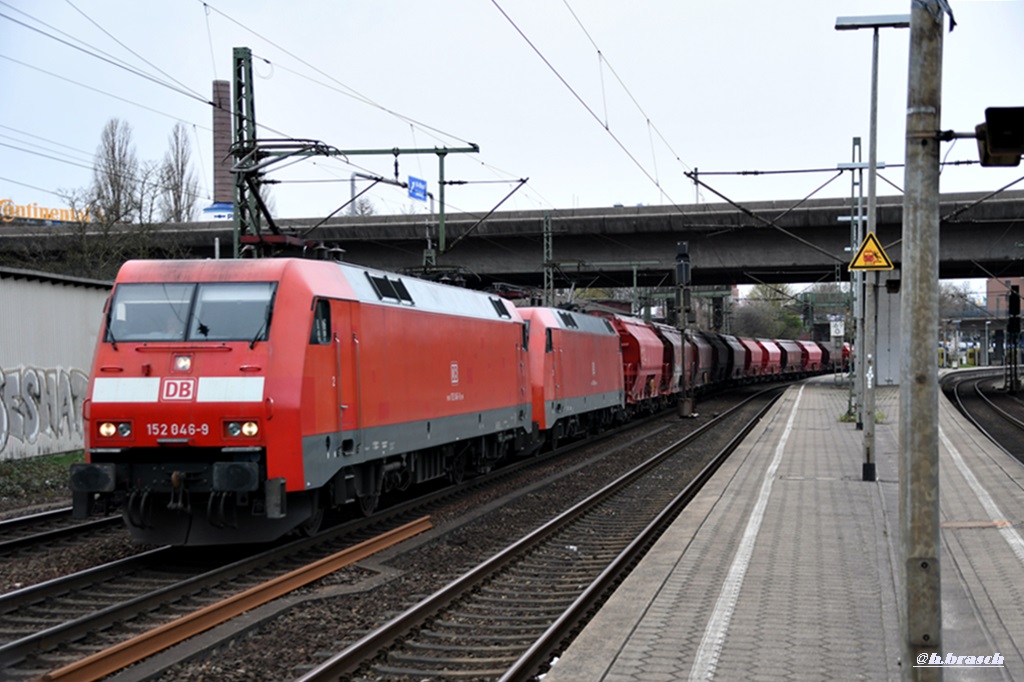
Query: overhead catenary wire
column 625, row 88
column 574, row 93
column 25, row 133
column 344, row 89
column 109, row 60
column 590, row 111
column 25, row 184
column 136, row 54
column 92, row 167
column 98, row 91
column 766, row 221
column 435, row 133
column 106, row 57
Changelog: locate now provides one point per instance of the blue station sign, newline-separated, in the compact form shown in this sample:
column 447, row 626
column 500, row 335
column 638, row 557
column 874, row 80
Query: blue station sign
column 417, row 188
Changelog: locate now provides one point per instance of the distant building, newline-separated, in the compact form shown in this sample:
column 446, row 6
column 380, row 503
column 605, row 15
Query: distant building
column 997, row 291
column 219, row 211
column 223, row 207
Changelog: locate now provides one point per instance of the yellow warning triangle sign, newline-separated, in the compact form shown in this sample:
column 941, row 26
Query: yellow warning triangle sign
column 871, row 255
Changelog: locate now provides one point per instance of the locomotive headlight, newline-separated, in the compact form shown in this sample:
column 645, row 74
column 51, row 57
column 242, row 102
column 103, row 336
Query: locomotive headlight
column 111, row 429
column 182, row 363
column 248, row 429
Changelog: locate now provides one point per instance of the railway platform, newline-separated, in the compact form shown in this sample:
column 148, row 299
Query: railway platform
column 785, row 567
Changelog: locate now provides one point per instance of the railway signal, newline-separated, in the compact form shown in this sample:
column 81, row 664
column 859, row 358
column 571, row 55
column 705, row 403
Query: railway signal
column 1001, row 136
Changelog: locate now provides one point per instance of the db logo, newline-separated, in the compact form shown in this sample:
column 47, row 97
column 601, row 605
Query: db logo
column 178, row 389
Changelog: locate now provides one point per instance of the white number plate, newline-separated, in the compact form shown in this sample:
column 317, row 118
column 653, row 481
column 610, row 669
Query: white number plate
column 176, row 429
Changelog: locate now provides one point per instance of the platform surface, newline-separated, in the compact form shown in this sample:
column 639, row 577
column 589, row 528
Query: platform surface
column 785, row 567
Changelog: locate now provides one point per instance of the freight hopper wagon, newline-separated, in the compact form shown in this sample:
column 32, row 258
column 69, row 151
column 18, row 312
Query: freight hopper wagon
column 234, row 401
column 643, row 363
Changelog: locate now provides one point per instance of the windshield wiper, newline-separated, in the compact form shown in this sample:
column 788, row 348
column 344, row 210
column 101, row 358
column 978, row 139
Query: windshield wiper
column 266, row 320
column 259, row 332
column 110, row 333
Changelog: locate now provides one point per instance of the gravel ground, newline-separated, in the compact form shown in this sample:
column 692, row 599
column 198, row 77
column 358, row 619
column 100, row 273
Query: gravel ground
column 39, row 484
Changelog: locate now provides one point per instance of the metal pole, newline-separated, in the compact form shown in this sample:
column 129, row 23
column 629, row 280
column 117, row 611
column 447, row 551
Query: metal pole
column 870, row 298
column 984, row 349
column 919, row 328
column 440, row 196
column 853, row 404
column 685, row 406
column 858, row 302
column 549, row 263
column 870, row 339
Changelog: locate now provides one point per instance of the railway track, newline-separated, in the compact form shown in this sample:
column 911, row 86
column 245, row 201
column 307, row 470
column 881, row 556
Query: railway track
column 46, row 528
column 509, row 615
column 1000, row 416
column 55, row 624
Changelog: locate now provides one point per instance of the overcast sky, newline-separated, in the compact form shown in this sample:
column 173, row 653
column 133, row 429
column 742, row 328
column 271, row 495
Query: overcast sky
column 597, row 102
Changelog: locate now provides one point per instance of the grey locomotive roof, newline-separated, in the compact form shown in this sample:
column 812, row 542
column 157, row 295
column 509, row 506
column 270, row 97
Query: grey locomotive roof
column 388, row 288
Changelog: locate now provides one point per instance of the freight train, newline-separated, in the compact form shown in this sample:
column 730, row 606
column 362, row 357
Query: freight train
column 236, row 401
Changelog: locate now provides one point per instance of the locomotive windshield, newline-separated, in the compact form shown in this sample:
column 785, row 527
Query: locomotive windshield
column 220, row 311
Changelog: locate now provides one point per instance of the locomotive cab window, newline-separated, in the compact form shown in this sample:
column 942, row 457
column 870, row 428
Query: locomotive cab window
column 232, row 311
column 224, row 311
column 321, row 333
column 149, row 312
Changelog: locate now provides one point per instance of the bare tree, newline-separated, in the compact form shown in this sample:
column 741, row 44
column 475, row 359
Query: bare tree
column 115, row 174
column 148, row 189
column 363, row 207
column 179, row 187
column 767, row 312
column 956, row 300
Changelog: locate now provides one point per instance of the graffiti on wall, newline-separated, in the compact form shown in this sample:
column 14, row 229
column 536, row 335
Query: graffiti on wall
column 40, row 404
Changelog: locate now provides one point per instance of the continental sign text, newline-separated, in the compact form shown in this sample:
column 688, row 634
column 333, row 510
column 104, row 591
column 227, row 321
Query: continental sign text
column 10, row 211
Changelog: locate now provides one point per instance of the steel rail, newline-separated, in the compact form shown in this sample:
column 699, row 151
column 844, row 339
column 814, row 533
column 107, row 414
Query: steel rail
column 555, row 637
column 27, row 519
column 958, row 401
column 10, row 525
column 349, row 660
column 124, row 654
column 998, row 410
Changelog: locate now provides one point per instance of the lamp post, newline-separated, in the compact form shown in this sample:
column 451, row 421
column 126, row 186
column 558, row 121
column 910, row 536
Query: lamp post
column 984, row 347
column 867, row 355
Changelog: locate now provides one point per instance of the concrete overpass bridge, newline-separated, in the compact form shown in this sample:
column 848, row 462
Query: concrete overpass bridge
column 762, row 242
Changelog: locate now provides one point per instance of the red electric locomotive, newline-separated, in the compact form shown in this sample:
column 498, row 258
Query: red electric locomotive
column 233, row 401
column 575, row 372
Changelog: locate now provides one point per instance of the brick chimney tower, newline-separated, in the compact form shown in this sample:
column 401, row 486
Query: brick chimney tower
column 223, row 182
